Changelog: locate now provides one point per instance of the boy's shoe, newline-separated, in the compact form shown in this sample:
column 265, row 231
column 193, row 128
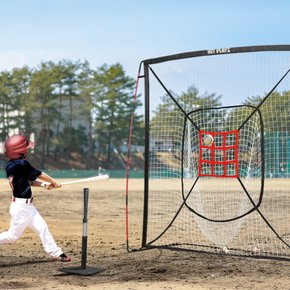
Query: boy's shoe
column 63, row 258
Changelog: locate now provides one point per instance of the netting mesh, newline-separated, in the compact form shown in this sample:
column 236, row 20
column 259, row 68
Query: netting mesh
column 232, row 196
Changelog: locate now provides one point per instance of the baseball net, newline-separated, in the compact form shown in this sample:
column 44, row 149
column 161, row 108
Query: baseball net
column 230, row 196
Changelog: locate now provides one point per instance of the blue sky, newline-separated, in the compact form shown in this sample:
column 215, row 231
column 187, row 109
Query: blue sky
column 127, row 31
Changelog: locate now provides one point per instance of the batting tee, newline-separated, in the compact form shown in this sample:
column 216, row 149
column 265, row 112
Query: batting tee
column 233, row 195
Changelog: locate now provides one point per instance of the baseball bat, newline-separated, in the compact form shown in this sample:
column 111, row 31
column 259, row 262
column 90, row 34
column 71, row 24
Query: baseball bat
column 83, row 180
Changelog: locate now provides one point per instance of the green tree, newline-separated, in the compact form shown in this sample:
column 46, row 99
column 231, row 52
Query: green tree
column 6, row 104
column 43, row 106
column 275, row 110
column 170, row 113
column 69, row 104
column 20, row 84
column 87, row 91
column 113, row 106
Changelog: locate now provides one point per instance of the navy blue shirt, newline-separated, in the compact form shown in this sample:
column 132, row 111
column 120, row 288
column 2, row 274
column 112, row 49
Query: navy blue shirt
column 20, row 174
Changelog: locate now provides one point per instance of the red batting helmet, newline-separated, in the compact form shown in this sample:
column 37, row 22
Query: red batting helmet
column 16, row 146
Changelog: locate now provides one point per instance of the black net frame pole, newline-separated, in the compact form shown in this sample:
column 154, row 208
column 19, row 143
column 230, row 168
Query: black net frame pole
column 146, row 164
column 209, row 52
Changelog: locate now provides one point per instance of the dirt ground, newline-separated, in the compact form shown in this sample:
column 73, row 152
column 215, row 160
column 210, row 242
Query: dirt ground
column 24, row 265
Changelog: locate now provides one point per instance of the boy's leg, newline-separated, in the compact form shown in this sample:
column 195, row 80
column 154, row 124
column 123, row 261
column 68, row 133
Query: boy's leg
column 39, row 225
column 20, row 218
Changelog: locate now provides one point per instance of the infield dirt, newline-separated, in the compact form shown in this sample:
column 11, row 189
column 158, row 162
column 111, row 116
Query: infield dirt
column 24, row 265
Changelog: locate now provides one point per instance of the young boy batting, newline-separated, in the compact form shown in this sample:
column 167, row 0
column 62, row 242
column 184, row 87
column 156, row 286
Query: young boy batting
column 21, row 176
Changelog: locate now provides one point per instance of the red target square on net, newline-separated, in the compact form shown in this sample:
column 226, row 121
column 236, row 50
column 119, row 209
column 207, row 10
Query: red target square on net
column 218, row 155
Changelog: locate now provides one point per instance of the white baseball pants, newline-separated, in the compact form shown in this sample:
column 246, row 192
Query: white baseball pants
column 25, row 215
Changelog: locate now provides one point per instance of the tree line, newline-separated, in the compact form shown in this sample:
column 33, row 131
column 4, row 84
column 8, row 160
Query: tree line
column 274, row 109
column 69, row 107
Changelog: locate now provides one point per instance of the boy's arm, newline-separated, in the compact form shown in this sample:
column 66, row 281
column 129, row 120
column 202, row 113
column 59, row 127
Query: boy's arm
column 45, row 177
column 36, row 183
